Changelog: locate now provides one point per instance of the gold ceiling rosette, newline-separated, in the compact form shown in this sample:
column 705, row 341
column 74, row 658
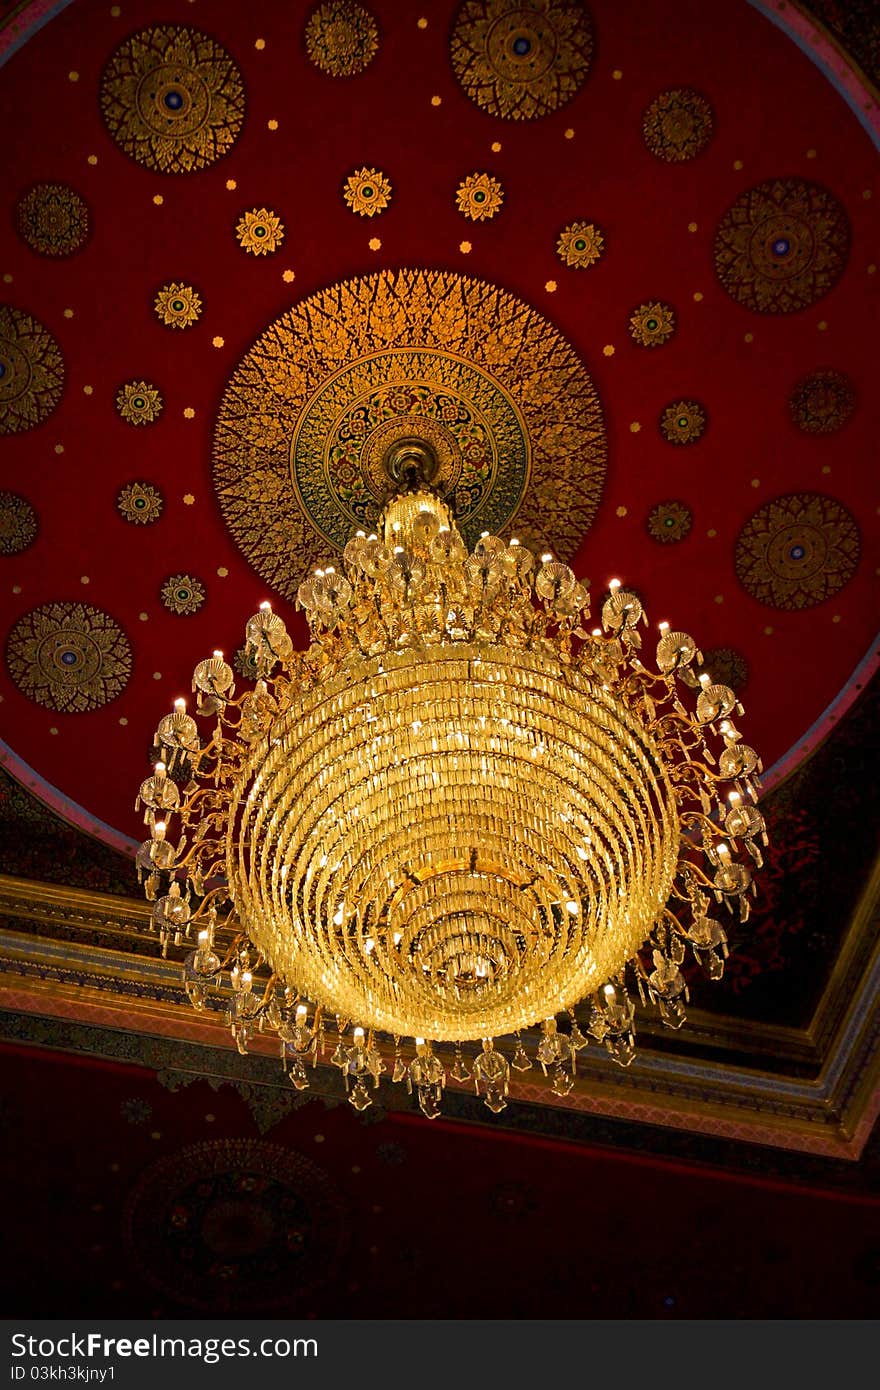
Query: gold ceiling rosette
column 307, row 419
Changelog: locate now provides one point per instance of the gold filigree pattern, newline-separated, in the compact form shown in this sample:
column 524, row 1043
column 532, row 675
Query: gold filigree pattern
column 521, row 59
column 18, row 523
column 669, row 522
column 782, row 246
column 683, row 422
column 31, row 371
column 53, row 219
column 177, row 305
column 310, row 412
column 140, row 503
column 822, row 402
column 479, row 197
column 182, row 594
column 797, row 551
column 367, row 192
column 260, row 232
column 139, row 403
column 652, row 324
column 69, row 657
column 172, row 99
column 678, row 125
column 580, row 245
column 342, row 38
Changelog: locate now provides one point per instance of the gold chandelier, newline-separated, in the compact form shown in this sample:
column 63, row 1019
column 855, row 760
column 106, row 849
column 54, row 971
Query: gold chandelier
column 457, row 815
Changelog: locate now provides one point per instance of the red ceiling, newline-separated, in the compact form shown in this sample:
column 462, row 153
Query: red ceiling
column 771, row 105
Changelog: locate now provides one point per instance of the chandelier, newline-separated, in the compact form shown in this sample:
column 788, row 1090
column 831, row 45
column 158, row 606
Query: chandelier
column 459, row 814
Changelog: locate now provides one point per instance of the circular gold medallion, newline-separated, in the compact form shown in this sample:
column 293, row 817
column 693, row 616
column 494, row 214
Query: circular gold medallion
column 173, row 99
column 503, row 403
column 521, row 60
column 797, row 551
column 782, row 246
column 31, row 371
column 69, row 657
column 53, row 219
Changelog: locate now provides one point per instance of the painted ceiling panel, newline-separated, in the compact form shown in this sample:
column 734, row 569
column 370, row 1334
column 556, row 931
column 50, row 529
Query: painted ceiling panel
column 739, row 497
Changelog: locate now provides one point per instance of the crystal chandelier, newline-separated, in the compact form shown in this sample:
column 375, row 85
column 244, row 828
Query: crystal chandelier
column 457, row 815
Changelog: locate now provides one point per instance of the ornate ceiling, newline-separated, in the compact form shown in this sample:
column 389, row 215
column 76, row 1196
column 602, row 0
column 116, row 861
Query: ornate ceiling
column 618, row 266
column 617, row 263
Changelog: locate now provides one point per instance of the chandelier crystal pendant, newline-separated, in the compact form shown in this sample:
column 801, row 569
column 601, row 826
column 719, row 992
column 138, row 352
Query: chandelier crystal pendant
column 460, row 813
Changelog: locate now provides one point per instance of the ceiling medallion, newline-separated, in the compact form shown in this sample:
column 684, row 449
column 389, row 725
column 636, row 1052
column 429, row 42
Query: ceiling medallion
column 367, row 192
column 18, row 524
column 342, row 38
column 479, row 197
column 31, row 371
column 53, row 219
column 669, row 522
column 580, row 245
column 782, row 246
column 683, row 422
column 678, row 125
column 182, row 594
column 177, row 305
column 308, row 417
column 797, row 551
column 822, row 402
column 140, row 503
column 173, row 99
column 521, row 59
column 139, row 403
column 69, row 657
column 652, row 324
column 259, row 232
column 235, row 1225
column 460, row 813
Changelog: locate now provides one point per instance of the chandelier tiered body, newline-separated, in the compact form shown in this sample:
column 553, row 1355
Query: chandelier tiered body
column 457, row 815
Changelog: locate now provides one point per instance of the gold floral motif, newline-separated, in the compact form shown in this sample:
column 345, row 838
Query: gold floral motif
column 31, row 371
column 172, row 99
column 797, row 551
column 140, row 503
column 782, row 246
column 520, row 59
column 822, row 402
column 313, row 407
column 367, row 192
column 652, row 324
column 69, row 657
column 678, row 125
column 182, row 594
column 580, row 245
column 669, row 522
column 18, row 523
column 53, row 219
column 683, row 422
column 177, row 305
column 260, row 232
column 342, row 38
column 139, row 403
column 479, row 197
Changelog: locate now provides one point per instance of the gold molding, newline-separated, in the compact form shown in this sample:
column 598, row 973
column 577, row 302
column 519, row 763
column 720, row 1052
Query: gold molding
column 811, row 1090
